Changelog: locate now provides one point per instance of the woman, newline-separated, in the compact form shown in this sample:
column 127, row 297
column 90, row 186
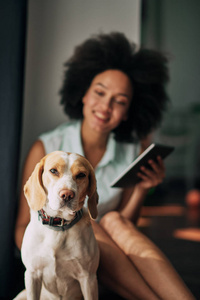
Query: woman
column 117, row 97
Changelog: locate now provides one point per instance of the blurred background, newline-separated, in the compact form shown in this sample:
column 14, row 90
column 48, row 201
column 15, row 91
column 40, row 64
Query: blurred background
column 38, row 36
column 173, row 27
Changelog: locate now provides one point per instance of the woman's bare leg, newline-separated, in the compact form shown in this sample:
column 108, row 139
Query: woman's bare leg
column 146, row 257
column 117, row 272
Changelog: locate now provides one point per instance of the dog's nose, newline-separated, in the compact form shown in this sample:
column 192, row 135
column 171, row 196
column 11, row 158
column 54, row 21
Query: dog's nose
column 66, row 194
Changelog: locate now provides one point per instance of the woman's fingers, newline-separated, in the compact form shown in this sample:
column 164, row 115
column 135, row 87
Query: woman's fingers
column 155, row 175
column 158, row 166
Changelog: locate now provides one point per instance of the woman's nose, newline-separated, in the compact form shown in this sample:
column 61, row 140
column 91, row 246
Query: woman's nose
column 107, row 103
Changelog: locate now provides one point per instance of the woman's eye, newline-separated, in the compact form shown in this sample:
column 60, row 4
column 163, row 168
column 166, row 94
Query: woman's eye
column 120, row 102
column 80, row 175
column 99, row 93
column 54, row 171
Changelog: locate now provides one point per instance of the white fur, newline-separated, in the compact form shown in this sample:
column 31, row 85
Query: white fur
column 60, row 265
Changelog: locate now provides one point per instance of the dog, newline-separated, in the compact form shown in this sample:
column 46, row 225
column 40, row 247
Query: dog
column 59, row 249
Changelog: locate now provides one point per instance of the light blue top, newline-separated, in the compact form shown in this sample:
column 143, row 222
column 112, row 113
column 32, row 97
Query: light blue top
column 67, row 137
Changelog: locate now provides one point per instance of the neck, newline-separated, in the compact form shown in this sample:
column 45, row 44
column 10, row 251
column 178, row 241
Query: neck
column 66, row 214
column 94, row 144
column 91, row 138
column 59, row 224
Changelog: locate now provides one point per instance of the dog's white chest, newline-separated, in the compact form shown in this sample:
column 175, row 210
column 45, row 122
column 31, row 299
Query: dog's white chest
column 60, row 258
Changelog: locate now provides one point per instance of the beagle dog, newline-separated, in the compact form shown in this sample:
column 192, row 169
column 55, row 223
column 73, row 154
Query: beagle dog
column 59, row 249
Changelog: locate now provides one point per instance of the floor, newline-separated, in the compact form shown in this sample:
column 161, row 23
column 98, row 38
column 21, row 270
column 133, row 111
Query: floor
column 173, row 227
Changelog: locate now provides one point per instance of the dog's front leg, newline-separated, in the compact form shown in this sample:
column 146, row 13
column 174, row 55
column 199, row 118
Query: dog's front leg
column 89, row 287
column 33, row 283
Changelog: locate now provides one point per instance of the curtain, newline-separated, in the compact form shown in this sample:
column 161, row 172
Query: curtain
column 12, row 57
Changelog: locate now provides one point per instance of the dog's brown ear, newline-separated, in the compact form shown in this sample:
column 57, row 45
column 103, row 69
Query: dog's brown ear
column 33, row 189
column 93, row 195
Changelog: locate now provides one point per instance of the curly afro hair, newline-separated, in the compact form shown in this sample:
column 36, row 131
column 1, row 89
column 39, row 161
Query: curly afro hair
column 146, row 69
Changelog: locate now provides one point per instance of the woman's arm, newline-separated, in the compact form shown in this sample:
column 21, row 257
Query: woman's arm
column 35, row 154
column 132, row 199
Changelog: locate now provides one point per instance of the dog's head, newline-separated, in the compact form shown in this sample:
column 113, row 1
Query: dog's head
column 62, row 180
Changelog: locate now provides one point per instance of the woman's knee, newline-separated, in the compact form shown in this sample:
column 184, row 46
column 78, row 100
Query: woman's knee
column 111, row 219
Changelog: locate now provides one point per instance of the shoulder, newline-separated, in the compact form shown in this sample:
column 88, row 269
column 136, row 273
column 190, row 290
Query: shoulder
column 61, row 130
column 54, row 139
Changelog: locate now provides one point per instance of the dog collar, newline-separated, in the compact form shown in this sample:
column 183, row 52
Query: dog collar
column 58, row 224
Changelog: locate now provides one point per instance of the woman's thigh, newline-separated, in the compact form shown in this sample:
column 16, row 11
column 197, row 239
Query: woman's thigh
column 117, row 271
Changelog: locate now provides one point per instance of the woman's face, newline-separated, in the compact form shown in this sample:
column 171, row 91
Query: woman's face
column 107, row 101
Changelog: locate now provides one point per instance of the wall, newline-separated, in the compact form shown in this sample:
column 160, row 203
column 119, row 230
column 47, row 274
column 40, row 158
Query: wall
column 173, row 26
column 181, row 38
column 54, row 28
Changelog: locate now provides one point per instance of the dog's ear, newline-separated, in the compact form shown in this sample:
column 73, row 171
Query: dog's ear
column 33, row 189
column 92, row 195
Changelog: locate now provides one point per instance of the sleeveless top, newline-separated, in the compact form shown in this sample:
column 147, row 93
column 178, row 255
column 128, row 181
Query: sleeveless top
column 67, row 137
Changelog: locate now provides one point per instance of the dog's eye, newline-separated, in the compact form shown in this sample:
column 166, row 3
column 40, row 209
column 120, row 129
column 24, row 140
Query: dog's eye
column 80, row 175
column 54, row 171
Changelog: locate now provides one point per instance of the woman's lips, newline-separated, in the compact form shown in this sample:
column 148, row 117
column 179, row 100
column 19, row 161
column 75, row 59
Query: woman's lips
column 101, row 116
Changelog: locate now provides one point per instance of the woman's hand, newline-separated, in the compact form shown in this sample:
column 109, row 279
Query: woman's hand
column 153, row 177
column 132, row 199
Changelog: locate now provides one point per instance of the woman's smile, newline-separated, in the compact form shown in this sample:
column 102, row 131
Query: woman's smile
column 101, row 116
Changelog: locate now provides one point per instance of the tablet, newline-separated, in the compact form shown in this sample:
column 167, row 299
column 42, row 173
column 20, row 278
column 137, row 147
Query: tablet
column 129, row 176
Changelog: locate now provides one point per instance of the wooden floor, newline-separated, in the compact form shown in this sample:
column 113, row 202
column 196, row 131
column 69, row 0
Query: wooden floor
column 164, row 217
